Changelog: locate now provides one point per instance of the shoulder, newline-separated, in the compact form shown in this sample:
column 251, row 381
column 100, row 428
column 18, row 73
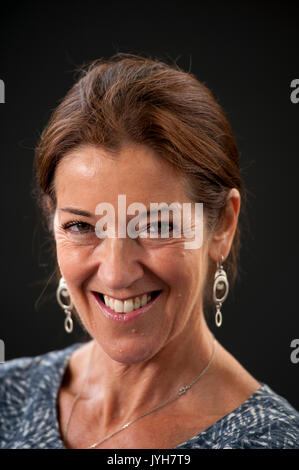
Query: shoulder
column 26, row 383
column 18, row 373
column 265, row 421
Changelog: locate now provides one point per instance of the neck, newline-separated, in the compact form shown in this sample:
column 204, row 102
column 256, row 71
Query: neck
column 123, row 391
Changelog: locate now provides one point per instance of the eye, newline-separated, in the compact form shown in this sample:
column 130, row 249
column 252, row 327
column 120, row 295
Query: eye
column 77, row 226
column 160, row 227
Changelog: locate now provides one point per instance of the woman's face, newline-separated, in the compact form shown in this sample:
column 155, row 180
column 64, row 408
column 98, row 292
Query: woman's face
column 126, row 268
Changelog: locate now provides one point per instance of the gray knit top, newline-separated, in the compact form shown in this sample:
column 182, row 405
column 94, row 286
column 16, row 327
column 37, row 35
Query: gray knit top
column 29, row 420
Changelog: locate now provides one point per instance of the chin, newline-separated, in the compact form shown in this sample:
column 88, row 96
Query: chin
column 131, row 353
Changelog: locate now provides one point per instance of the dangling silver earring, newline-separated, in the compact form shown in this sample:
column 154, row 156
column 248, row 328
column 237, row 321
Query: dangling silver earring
column 220, row 290
column 62, row 291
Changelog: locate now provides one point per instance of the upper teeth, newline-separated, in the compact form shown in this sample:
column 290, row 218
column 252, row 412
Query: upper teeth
column 126, row 306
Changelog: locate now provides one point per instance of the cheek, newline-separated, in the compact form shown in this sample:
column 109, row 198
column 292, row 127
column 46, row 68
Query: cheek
column 183, row 271
column 72, row 261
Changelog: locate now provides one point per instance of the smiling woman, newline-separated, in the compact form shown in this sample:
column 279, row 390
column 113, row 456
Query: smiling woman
column 152, row 376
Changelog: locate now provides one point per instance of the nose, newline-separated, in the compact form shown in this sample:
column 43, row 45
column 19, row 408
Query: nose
column 120, row 265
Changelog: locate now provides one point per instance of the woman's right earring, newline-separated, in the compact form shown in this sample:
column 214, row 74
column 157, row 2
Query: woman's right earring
column 62, row 291
column 220, row 291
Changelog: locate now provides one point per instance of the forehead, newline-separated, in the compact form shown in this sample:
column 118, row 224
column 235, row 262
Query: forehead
column 136, row 171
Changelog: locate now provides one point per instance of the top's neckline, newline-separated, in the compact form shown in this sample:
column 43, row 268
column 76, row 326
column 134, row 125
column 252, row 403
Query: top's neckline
column 62, row 370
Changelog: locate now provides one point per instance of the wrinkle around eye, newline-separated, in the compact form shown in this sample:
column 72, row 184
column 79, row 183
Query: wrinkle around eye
column 69, row 239
column 162, row 242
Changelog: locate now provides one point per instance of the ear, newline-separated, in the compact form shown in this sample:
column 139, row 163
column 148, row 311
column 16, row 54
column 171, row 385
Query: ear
column 222, row 239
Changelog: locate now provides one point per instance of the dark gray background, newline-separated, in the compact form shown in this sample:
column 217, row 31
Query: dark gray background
column 247, row 53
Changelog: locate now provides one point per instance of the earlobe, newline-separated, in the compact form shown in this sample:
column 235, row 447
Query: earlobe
column 223, row 236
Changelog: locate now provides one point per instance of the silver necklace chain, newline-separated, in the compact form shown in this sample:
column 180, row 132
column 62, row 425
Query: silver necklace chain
column 180, row 392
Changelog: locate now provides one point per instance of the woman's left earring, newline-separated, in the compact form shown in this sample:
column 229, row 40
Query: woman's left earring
column 220, row 291
column 62, row 293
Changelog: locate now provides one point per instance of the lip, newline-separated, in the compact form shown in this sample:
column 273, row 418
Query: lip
column 124, row 317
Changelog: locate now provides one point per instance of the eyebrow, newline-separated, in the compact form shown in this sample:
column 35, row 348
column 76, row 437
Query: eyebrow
column 154, row 211
column 75, row 211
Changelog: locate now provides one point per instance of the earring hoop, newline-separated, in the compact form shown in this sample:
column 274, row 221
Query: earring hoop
column 220, row 290
column 62, row 293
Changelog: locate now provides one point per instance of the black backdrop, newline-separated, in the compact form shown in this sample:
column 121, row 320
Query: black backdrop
column 247, row 53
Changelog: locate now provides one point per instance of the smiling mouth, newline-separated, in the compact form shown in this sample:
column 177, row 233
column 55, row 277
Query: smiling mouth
column 128, row 305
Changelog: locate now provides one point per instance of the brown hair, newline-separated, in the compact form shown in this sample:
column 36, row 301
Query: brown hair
column 147, row 101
